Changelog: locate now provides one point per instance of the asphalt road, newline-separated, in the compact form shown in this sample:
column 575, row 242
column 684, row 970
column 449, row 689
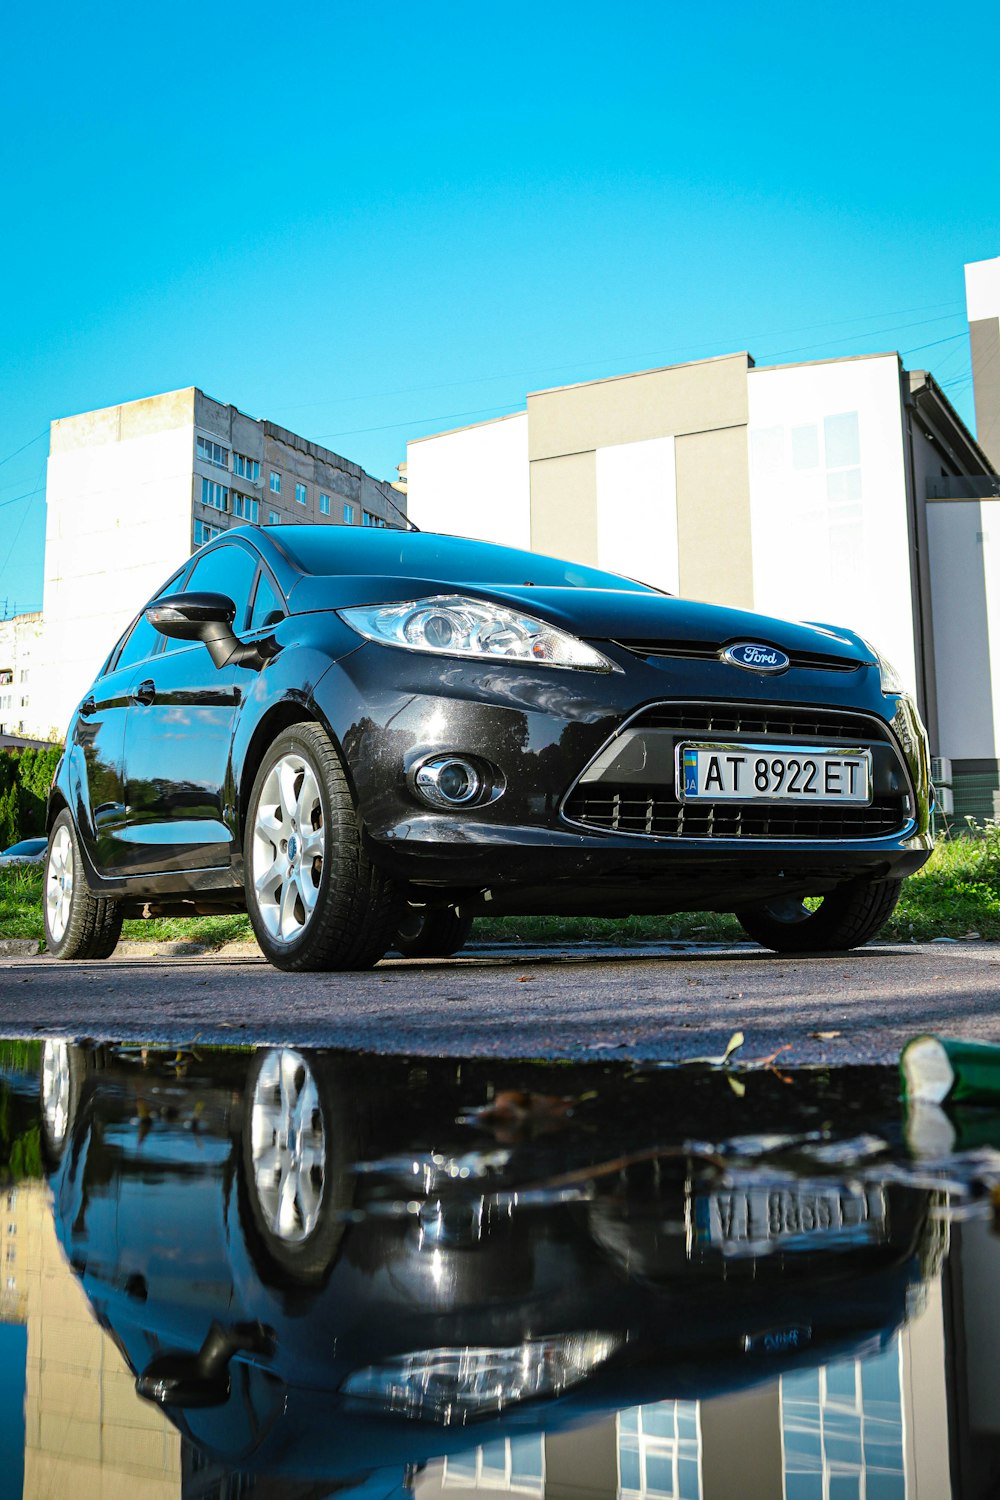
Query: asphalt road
column 665, row 1003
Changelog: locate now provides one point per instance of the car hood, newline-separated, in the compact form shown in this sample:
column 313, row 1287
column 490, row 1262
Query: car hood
column 634, row 617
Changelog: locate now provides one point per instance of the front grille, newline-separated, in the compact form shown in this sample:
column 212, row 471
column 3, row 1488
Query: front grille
column 710, row 651
column 656, row 811
column 774, row 721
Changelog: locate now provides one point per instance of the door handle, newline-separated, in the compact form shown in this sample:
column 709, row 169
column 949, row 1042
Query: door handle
column 145, row 692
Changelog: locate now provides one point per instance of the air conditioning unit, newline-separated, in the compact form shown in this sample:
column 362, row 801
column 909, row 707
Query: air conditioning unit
column 945, row 801
column 941, row 771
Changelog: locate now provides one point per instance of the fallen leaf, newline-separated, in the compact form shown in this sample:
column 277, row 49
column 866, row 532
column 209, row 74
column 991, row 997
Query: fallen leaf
column 825, row 1036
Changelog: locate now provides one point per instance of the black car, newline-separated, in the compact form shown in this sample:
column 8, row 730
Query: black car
column 357, row 733
column 324, row 1265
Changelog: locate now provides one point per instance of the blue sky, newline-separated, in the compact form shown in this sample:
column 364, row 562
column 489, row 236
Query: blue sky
column 369, row 223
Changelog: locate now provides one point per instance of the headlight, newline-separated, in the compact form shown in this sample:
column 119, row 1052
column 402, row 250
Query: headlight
column 458, row 1385
column 891, row 681
column 451, row 625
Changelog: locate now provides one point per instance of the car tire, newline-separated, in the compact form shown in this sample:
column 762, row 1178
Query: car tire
column 77, row 923
column 432, row 934
column 314, row 899
column 298, row 1181
column 60, row 1085
column 847, row 917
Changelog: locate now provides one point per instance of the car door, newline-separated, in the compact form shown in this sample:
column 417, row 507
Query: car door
column 178, row 737
column 98, row 736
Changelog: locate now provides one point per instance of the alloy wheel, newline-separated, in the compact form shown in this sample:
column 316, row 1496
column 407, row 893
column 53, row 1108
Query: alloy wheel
column 288, row 1146
column 288, row 847
column 59, row 882
column 56, row 1090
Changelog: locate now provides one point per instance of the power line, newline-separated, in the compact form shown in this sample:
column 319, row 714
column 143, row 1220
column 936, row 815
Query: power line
column 573, row 364
column 453, row 416
column 26, row 496
column 28, row 444
column 949, row 340
column 17, row 534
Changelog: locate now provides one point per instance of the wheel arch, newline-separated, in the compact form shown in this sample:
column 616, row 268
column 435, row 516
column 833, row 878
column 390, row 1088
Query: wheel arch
column 281, row 716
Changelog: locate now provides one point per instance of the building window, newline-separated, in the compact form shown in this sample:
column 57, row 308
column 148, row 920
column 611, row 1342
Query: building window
column 512, row 1465
column 204, row 533
column 324, row 505
column 348, row 515
column 275, row 482
column 24, row 674
column 659, row 1452
column 273, row 519
column 300, row 493
column 215, row 495
column 369, row 518
column 842, row 1428
column 213, row 453
column 246, row 507
column 246, row 468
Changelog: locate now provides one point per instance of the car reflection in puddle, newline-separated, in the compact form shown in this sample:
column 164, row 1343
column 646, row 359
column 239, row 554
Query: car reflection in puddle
column 344, row 1272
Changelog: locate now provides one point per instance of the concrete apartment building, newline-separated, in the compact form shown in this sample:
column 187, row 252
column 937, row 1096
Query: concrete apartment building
column 846, row 491
column 133, row 489
column 20, row 648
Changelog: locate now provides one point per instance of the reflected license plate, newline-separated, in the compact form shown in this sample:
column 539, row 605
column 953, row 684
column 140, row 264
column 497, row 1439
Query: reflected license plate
column 747, row 1221
column 772, row 773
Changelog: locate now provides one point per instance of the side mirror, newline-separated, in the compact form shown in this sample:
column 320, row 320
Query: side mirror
column 198, row 617
column 175, row 1378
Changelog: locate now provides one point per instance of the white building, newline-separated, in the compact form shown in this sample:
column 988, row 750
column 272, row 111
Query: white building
column 133, row 489
column 836, row 491
column 20, row 640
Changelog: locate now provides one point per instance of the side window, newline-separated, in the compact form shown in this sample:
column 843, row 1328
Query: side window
column 225, row 570
column 267, row 604
column 142, row 640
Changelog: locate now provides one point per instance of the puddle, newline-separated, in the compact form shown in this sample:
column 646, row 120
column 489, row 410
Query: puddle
column 289, row 1274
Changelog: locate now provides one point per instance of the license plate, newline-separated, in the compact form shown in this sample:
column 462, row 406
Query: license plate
column 745, row 1221
column 772, row 773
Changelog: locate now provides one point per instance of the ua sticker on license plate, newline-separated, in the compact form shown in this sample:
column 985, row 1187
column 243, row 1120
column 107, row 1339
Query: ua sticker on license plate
column 772, row 773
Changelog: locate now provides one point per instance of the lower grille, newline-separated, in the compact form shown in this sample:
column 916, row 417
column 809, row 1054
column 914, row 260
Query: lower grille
column 633, row 806
column 767, row 719
column 656, row 811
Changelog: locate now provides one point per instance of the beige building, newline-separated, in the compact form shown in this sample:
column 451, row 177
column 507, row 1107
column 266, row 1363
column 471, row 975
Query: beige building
column 844, row 491
column 86, row 1432
column 133, row 489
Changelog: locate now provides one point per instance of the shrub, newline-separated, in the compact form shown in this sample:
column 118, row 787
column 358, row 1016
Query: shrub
column 25, row 778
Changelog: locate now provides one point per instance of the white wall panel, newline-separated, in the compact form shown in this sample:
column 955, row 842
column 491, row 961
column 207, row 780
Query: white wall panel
column 118, row 520
column 637, row 512
column 964, row 545
column 474, row 482
column 828, row 500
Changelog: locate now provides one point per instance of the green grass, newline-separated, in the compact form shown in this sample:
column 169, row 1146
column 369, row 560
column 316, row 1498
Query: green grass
column 957, row 892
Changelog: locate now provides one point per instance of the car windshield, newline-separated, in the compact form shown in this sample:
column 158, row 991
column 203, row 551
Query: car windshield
column 331, row 550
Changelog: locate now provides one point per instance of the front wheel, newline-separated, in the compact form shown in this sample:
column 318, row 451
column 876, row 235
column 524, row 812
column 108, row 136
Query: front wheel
column 77, row 924
column 314, row 899
column 846, row 918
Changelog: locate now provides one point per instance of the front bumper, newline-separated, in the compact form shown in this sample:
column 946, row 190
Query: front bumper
column 530, row 851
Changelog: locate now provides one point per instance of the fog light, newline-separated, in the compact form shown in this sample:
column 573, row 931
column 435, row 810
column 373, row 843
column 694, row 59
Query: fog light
column 450, row 781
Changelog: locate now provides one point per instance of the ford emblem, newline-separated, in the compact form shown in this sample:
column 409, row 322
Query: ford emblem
column 754, row 657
